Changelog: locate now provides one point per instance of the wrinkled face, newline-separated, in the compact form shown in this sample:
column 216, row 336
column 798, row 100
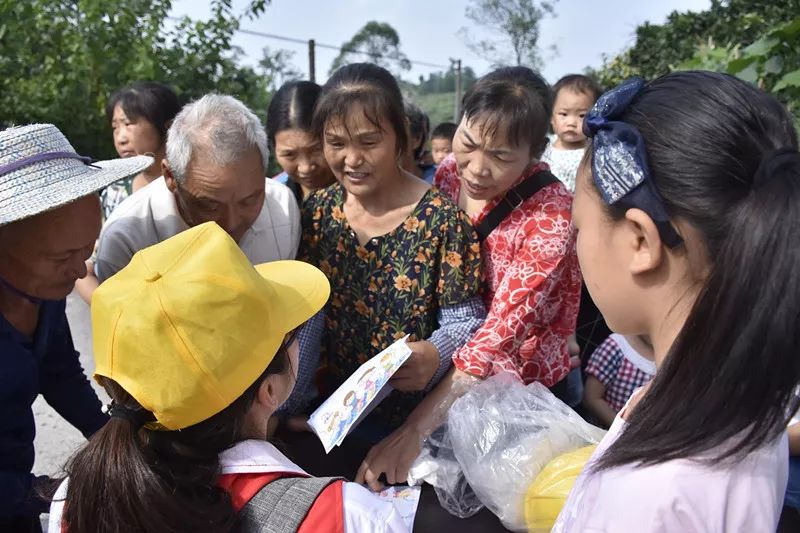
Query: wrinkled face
column 44, row 255
column 362, row 155
column 440, row 148
column 488, row 166
column 568, row 112
column 602, row 245
column 230, row 195
column 134, row 137
column 301, row 157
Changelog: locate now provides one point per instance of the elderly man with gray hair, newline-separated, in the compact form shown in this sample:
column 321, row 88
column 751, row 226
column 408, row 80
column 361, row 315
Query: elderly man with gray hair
column 214, row 170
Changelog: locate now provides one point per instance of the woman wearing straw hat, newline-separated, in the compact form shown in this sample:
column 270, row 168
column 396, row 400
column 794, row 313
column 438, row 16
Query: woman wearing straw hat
column 197, row 350
column 49, row 220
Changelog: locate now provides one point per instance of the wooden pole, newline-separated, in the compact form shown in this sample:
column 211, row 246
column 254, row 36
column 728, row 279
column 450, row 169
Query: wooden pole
column 457, row 106
column 312, row 75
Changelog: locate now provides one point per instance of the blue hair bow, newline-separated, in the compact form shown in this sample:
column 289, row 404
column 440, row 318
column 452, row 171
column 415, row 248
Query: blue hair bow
column 619, row 159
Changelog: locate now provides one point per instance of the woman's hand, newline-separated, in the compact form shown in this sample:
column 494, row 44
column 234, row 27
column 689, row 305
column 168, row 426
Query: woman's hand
column 419, row 368
column 393, row 456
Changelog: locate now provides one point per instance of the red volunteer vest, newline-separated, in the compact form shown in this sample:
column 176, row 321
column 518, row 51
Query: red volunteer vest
column 325, row 516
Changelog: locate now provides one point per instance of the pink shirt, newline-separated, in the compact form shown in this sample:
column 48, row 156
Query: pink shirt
column 680, row 495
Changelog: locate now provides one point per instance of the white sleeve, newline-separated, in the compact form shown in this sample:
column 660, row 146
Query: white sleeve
column 294, row 218
column 366, row 513
column 115, row 249
column 57, row 508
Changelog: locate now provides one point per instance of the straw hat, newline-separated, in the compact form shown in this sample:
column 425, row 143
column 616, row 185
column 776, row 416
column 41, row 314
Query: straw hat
column 40, row 170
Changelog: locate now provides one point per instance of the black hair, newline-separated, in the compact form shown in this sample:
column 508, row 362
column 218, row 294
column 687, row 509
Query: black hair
column 418, row 127
column 130, row 480
column 727, row 384
column 372, row 88
column 445, row 130
column 291, row 107
column 514, row 100
column 579, row 84
column 152, row 101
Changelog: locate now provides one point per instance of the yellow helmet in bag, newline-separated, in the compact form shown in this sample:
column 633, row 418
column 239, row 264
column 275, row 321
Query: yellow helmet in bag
column 548, row 492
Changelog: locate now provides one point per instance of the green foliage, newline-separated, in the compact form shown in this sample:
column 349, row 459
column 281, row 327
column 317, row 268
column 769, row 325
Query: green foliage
column 438, row 106
column 61, row 59
column 660, row 48
column 445, row 82
column 772, row 62
column 376, row 42
column 515, row 22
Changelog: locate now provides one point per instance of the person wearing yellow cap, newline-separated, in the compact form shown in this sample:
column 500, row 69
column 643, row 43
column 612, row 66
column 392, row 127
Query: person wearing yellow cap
column 196, row 349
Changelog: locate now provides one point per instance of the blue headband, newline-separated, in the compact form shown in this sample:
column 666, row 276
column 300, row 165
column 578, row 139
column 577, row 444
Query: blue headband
column 619, row 159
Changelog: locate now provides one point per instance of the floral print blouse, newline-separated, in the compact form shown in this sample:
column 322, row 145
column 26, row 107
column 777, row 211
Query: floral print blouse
column 532, row 285
column 394, row 285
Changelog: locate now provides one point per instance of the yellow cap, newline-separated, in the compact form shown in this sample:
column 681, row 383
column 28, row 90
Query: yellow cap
column 190, row 324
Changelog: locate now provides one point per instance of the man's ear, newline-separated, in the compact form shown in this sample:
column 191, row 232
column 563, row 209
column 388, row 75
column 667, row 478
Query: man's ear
column 646, row 246
column 169, row 177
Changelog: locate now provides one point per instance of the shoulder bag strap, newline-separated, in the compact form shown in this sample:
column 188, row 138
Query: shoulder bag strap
column 512, row 200
column 283, row 504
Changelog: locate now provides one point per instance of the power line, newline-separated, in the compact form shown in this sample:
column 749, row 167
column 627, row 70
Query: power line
column 321, row 45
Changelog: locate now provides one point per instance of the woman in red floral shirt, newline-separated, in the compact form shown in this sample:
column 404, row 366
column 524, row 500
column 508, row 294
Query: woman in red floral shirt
column 530, row 273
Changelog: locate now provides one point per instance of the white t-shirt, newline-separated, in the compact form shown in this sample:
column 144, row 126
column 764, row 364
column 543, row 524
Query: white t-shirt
column 563, row 163
column 364, row 512
column 679, row 495
column 150, row 216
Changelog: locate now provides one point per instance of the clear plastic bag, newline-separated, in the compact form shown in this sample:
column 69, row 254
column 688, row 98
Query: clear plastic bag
column 501, row 434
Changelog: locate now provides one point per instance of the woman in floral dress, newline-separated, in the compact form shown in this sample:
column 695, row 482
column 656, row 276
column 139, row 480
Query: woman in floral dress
column 401, row 257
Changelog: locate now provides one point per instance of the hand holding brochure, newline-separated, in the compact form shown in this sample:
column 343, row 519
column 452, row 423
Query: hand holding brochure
column 361, row 392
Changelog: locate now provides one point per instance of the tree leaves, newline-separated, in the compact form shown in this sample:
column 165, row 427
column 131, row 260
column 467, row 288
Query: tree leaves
column 60, row 60
column 515, row 22
column 377, row 42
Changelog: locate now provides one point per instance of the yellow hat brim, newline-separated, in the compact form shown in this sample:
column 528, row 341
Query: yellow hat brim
column 299, row 289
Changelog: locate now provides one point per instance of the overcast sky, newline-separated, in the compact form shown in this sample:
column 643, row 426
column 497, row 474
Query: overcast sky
column 582, row 30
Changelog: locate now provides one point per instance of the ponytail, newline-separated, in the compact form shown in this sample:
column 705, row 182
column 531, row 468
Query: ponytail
column 728, row 384
column 131, row 479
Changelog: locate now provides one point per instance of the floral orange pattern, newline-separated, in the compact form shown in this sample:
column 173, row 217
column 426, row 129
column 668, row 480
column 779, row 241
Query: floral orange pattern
column 392, row 286
column 531, row 282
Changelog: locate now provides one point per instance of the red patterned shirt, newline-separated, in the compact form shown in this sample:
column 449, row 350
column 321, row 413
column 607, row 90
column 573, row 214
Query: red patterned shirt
column 532, row 285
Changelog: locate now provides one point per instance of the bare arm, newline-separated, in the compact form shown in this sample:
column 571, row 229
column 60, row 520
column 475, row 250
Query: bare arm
column 395, row 454
column 794, row 439
column 593, row 400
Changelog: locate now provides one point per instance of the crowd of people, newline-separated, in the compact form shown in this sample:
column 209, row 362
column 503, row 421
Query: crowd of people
column 226, row 305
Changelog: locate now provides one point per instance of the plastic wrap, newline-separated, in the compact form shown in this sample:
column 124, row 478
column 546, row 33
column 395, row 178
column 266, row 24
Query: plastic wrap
column 548, row 492
column 498, row 437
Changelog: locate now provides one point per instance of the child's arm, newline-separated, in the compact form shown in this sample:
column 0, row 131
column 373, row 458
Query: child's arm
column 87, row 285
column 593, row 393
column 794, row 439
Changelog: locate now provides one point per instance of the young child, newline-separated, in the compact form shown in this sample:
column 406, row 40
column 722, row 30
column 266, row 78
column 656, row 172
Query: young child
column 531, row 281
column 442, row 141
column 185, row 448
column 619, row 366
column 575, row 95
column 687, row 215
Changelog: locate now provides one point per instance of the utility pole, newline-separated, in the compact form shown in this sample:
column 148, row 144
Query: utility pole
column 457, row 106
column 312, row 75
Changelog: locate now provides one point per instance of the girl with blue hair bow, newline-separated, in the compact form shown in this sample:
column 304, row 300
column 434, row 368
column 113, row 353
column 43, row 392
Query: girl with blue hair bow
column 687, row 209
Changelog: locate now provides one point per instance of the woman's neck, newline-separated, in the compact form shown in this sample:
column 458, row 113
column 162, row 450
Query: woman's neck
column 396, row 192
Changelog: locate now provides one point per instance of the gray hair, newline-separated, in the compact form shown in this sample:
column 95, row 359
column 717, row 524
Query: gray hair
column 218, row 123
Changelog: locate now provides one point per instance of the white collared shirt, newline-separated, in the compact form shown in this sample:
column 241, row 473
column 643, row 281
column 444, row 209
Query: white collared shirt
column 364, row 512
column 150, row 216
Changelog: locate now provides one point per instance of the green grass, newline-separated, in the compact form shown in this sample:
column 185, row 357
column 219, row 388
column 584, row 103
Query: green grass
column 439, row 107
